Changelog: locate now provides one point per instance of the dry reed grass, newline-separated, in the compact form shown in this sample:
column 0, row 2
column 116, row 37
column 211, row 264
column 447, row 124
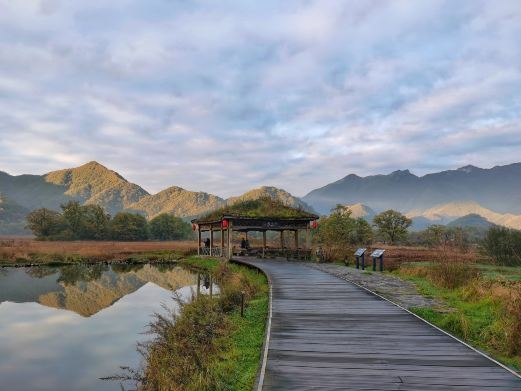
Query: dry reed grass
column 22, row 249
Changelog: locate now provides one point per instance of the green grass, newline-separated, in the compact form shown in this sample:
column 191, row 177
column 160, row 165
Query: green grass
column 241, row 362
column 512, row 273
column 476, row 321
column 247, row 341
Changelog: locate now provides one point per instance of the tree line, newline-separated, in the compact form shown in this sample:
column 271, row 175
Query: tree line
column 338, row 231
column 91, row 222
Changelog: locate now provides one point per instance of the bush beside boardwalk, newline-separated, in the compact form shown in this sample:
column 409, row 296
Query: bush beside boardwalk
column 208, row 345
column 484, row 303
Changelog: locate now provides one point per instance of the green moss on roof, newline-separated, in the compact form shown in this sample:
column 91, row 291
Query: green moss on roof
column 260, row 208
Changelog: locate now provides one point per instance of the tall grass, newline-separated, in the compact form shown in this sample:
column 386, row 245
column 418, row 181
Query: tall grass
column 34, row 251
column 484, row 311
column 206, row 345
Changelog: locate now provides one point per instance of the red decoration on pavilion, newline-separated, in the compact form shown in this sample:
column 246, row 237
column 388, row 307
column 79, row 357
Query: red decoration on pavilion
column 314, row 224
column 194, row 227
column 225, row 224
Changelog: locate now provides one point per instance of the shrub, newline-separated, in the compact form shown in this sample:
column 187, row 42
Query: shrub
column 128, row 227
column 513, row 329
column 186, row 347
column 168, row 227
column 503, row 245
column 452, row 273
column 339, row 233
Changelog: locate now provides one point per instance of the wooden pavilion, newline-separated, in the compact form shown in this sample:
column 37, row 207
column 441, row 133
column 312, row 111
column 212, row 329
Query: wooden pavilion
column 260, row 215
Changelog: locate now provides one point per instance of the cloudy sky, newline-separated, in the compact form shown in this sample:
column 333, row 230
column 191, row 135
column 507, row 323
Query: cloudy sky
column 222, row 96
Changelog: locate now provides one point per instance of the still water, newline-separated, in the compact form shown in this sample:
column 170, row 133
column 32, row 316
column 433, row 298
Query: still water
column 62, row 328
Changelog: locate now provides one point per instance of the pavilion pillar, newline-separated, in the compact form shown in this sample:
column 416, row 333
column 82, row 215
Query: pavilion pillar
column 211, row 240
column 246, row 235
column 230, row 250
column 296, row 239
column 282, row 239
column 308, row 238
column 263, row 244
column 198, row 240
column 222, row 242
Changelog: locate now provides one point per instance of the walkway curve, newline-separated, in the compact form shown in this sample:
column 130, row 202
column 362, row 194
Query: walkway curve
column 328, row 334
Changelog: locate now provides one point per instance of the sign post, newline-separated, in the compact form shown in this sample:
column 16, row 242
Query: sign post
column 378, row 254
column 360, row 254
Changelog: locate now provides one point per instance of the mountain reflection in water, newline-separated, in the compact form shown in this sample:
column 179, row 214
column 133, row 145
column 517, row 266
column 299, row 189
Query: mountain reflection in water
column 62, row 328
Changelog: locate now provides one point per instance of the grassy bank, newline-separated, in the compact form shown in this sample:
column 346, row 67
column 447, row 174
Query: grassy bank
column 30, row 252
column 484, row 304
column 208, row 345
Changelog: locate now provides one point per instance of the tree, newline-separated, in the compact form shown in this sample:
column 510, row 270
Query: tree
column 168, row 227
column 503, row 245
column 95, row 223
column 392, row 225
column 44, row 222
column 339, row 230
column 434, row 235
column 128, row 227
column 73, row 216
column 363, row 232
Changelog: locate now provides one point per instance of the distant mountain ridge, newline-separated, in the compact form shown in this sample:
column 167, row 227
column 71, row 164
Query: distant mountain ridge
column 93, row 183
column 361, row 211
column 471, row 220
column 494, row 194
column 497, row 188
column 177, row 201
column 448, row 213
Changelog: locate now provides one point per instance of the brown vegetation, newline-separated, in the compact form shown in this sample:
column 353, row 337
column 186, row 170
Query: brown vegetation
column 485, row 300
column 398, row 255
column 449, row 269
column 14, row 250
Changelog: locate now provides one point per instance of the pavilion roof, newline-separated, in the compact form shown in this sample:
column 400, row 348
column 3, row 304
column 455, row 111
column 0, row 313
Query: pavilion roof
column 262, row 208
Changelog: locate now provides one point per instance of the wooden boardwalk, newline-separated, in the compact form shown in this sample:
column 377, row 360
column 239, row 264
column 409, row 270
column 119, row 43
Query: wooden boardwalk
column 328, row 334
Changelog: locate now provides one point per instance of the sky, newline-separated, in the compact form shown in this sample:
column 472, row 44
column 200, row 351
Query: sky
column 223, row 96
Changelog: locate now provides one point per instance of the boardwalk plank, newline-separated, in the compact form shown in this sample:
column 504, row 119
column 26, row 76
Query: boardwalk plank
column 328, row 334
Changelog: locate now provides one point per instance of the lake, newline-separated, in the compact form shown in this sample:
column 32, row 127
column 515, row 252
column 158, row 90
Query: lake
column 62, row 328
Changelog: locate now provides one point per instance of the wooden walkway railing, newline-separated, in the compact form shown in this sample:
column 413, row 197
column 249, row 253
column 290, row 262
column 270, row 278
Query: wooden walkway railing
column 328, row 334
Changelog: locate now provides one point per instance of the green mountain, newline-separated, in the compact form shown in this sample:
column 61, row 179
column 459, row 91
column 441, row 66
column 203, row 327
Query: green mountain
column 177, row 201
column 471, row 221
column 92, row 183
column 497, row 188
column 447, row 213
column 12, row 217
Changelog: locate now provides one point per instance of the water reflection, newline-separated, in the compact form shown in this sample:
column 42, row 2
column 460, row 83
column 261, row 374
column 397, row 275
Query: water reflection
column 63, row 328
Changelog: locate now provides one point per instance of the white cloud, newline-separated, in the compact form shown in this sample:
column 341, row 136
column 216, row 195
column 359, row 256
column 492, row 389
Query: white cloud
column 223, row 96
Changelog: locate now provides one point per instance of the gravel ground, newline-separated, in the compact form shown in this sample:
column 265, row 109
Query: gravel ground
column 393, row 288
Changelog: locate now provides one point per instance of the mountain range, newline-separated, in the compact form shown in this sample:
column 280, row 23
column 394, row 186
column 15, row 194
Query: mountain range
column 493, row 194
column 498, row 189
column 93, row 183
